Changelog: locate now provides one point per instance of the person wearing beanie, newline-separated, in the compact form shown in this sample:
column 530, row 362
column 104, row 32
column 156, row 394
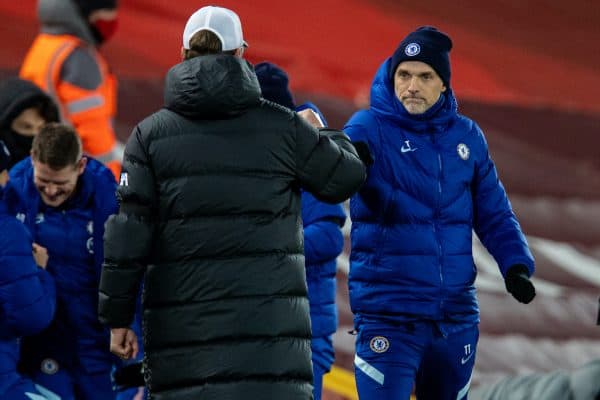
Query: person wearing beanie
column 24, row 110
column 65, row 61
column 323, row 242
column 412, row 273
column 210, row 221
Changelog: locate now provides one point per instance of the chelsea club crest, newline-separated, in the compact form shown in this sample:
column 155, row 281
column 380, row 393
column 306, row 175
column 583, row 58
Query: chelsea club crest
column 379, row 344
column 463, row 151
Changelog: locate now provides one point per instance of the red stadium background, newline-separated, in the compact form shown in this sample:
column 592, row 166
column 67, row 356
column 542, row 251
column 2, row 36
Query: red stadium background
column 528, row 72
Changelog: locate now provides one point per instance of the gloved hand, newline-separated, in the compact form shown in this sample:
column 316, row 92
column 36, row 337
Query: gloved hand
column 364, row 153
column 131, row 375
column 518, row 284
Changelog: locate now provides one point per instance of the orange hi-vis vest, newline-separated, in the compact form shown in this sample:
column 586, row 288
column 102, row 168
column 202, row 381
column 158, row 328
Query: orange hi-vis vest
column 91, row 112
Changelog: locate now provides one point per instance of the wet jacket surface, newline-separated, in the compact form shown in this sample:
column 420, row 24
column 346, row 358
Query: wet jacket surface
column 210, row 213
column 432, row 184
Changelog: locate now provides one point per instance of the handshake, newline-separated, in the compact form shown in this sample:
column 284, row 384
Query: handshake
column 313, row 116
column 518, row 284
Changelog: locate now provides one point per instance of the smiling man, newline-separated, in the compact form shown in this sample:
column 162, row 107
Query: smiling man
column 64, row 199
column 412, row 271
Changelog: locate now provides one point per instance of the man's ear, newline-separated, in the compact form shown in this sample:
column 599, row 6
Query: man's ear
column 239, row 52
column 81, row 165
column 182, row 53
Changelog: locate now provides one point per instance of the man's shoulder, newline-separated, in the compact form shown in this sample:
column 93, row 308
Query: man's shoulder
column 466, row 124
column 81, row 68
column 21, row 179
column 98, row 172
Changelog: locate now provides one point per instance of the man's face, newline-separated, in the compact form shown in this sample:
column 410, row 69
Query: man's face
column 56, row 186
column 28, row 123
column 417, row 86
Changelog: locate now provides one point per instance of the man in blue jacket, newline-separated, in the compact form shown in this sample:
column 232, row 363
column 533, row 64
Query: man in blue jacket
column 64, row 198
column 323, row 241
column 412, row 271
column 27, row 298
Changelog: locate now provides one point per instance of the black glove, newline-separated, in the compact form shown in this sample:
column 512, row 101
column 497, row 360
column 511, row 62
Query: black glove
column 129, row 376
column 364, row 153
column 518, row 284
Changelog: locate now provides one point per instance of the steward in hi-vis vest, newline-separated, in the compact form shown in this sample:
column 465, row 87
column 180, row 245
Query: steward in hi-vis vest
column 64, row 61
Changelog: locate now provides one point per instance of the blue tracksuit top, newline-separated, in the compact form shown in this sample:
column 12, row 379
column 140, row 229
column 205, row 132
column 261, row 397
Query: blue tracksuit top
column 72, row 233
column 323, row 242
column 27, row 295
column 431, row 184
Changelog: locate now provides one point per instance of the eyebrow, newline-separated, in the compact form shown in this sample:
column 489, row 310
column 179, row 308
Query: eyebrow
column 419, row 74
column 51, row 181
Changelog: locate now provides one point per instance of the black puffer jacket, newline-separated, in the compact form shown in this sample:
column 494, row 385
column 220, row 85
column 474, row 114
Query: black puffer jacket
column 210, row 212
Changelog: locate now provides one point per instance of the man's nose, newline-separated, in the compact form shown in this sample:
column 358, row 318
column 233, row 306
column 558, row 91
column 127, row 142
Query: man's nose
column 413, row 85
column 51, row 189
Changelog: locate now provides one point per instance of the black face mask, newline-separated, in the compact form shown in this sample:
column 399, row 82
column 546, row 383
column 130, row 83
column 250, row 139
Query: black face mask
column 18, row 145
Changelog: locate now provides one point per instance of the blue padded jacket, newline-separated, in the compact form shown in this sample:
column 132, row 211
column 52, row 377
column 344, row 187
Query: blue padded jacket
column 27, row 295
column 432, row 183
column 72, row 234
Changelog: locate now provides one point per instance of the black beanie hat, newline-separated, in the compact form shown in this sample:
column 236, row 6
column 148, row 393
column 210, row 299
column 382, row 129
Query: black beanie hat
column 427, row 45
column 87, row 6
column 274, row 84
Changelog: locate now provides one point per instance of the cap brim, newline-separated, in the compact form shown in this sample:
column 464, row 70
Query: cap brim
column 245, row 44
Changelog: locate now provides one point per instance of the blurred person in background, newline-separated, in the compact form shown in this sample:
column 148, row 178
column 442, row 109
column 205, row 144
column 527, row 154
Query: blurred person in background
column 323, row 241
column 582, row 383
column 65, row 62
column 412, row 271
column 27, row 297
column 210, row 219
column 64, row 198
column 24, row 110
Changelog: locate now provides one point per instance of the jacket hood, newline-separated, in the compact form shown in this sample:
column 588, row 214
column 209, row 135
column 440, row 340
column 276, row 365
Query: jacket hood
column 211, row 86
column 17, row 95
column 385, row 103
column 62, row 17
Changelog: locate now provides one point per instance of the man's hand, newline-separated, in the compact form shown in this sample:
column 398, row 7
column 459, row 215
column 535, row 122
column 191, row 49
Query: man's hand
column 40, row 255
column 123, row 343
column 312, row 118
column 518, row 284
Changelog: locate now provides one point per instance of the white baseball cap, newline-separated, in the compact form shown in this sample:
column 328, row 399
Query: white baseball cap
column 221, row 21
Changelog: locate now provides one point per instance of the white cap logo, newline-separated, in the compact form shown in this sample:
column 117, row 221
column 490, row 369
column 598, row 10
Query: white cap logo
column 412, row 49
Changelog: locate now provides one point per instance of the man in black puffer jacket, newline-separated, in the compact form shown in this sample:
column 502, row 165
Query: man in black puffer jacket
column 210, row 218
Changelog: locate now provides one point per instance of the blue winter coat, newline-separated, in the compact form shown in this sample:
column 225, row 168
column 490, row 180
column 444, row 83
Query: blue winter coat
column 72, row 233
column 431, row 184
column 323, row 242
column 27, row 295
